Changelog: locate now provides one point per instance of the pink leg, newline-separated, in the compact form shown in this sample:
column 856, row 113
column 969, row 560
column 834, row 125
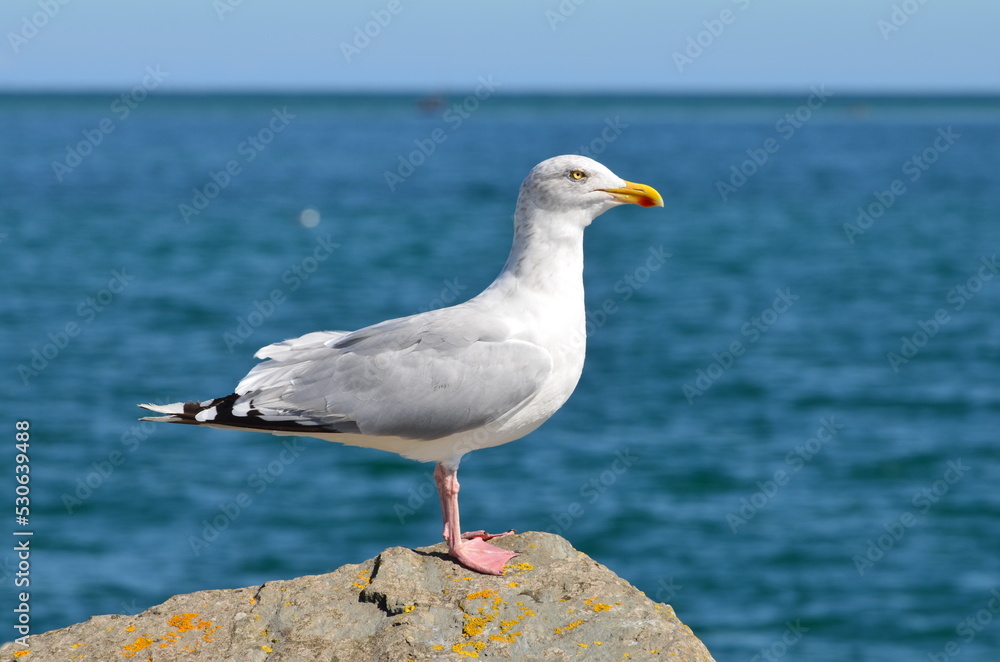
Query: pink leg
column 469, row 549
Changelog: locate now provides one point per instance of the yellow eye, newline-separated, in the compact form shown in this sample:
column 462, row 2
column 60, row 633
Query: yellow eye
column 577, row 174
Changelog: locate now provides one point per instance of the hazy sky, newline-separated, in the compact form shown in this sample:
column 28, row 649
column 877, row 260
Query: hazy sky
column 594, row 45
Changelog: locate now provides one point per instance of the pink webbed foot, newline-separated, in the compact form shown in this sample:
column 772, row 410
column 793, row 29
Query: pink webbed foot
column 482, row 535
column 477, row 554
column 469, row 549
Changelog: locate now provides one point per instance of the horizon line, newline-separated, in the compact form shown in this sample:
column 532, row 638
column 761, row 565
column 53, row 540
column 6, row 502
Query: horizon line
column 860, row 92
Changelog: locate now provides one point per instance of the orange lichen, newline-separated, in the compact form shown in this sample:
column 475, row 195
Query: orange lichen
column 169, row 639
column 597, row 606
column 22, row 653
column 136, row 646
column 199, row 624
column 480, row 594
column 363, row 575
column 183, row 622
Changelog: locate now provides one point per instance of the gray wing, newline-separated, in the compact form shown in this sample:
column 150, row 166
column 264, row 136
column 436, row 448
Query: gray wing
column 420, row 377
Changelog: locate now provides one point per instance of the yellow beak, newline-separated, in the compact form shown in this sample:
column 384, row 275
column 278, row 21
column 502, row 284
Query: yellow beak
column 636, row 194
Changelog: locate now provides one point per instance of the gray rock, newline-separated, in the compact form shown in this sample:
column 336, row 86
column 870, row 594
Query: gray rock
column 552, row 603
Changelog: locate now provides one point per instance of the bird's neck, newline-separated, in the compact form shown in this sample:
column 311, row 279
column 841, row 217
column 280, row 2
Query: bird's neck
column 541, row 288
column 547, row 255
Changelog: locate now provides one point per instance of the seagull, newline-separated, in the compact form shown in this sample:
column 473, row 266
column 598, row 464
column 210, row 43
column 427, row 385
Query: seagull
column 437, row 385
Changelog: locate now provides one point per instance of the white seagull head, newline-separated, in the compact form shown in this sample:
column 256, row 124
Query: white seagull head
column 574, row 183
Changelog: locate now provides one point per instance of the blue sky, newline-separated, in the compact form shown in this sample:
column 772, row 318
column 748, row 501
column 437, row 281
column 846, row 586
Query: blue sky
column 551, row 45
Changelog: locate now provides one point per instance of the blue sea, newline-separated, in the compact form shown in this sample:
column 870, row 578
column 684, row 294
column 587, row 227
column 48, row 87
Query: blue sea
column 787, row 426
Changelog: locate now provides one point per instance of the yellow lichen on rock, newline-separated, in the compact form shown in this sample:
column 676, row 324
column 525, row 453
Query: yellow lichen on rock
column 475, row 625
column 486, row 593
column 478, row 618
column 597, row 606
column 409, row 608
column 136, row 646
column 505, row 638
column 568, row 627
column 363, row 575
column 185, row 622
column 464, row 649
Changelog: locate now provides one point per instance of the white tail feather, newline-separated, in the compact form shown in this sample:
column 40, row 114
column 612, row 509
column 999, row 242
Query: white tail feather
column 172, row 408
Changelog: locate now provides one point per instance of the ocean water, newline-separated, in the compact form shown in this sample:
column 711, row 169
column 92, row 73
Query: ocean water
column 787, row 423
